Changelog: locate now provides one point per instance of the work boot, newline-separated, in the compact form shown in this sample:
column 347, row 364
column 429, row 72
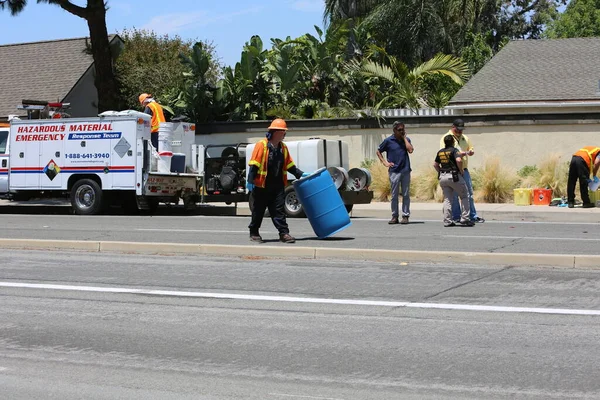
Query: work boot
column 404, row 220
column 393, row 221
column 588, row 205
column 286, row 238
column 255, row 237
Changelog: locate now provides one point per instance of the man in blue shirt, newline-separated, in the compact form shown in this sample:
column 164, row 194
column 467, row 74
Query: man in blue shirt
column 397, row 148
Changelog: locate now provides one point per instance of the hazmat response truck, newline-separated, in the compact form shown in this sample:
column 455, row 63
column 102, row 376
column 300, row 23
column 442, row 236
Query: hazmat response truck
column 96, row 162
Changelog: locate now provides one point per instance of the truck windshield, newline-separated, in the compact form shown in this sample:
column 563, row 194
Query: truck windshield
column 3, row 140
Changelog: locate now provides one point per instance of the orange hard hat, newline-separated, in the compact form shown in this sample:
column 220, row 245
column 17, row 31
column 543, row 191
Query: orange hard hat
column 278, row 125
column 143, row 97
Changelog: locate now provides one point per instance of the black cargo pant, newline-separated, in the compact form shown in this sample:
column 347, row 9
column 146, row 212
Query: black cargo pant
column 578, row 170
column 272, row 199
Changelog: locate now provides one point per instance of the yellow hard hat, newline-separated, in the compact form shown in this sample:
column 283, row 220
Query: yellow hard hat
column 143, row 97
column 278, row 125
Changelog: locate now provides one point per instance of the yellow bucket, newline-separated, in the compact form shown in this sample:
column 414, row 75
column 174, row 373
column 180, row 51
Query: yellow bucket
column 594, row 196
column 522, row 196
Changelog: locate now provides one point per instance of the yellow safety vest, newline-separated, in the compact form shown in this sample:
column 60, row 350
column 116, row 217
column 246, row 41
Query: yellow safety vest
column 260, row 156
column 157, row 115
column 589, row 154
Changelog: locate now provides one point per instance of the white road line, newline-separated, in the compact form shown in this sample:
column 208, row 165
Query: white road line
column 522, row 238
column 189, row 230
column 303, row 397
column 233, row 296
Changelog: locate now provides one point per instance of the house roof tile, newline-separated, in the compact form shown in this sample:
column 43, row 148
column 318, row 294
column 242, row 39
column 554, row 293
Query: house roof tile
column 537, row 70
column 40, row 71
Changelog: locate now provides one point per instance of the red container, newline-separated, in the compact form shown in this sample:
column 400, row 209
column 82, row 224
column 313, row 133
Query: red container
column 542, row 197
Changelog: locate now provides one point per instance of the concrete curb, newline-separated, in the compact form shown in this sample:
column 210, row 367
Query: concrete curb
column 515, row 259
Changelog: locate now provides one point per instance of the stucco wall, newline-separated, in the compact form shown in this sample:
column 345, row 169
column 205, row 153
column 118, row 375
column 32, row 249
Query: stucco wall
column 517, row 142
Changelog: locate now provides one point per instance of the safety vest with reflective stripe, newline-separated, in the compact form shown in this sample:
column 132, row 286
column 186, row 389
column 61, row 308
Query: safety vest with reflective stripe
column 157, row 115
column 260, row 156
column 589, row 154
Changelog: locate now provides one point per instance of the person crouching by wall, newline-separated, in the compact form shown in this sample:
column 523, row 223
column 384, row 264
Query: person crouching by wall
column 267, row 179
column 448, row 164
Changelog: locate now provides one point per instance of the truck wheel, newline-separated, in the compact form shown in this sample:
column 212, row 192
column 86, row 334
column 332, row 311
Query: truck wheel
column 292, row 206
column 349, row 207
column 86, row 197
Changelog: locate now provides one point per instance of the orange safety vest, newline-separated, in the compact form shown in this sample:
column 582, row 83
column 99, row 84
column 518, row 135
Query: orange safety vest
column 157, row 115
column 589, row 154
column 260, row 156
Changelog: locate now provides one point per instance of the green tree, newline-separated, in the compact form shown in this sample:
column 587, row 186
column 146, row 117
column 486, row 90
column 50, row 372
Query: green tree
column 197, row 99
column 95, row 15
column 581, row 18
column 150, row 63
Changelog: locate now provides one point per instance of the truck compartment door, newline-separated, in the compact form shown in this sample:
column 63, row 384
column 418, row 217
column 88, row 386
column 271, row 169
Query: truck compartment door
column 3, row 161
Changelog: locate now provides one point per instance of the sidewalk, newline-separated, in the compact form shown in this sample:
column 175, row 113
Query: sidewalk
column 488, row 211
column 419, row 211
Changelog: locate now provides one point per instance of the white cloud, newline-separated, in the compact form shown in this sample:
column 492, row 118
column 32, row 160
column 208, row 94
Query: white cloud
column 308, row 5
column 174, row 23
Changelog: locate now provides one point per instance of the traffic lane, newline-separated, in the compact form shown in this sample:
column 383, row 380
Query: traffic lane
column 423, row 352
column 342, row 279
column 451, row 353
column 500, row 237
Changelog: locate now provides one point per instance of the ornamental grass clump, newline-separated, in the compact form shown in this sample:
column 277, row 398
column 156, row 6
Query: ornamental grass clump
column 494, row 183
column 425, row 185
column 380, row 182
column 553, row 174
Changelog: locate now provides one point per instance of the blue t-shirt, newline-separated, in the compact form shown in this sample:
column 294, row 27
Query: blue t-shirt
column 396, row 153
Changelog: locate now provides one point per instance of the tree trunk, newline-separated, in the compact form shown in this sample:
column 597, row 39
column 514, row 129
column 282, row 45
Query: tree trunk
column 105, row 81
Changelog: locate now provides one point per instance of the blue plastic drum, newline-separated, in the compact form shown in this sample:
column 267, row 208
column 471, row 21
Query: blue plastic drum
column 322, row 203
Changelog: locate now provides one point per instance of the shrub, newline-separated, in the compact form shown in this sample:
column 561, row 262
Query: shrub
column 425, row 185
column 553, row 174
column 528, row 170
column 494, row 182
column 380, row 182
column 367, row 163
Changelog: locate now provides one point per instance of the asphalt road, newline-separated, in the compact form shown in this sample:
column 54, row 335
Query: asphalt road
column 120, row 326
column 365, row 233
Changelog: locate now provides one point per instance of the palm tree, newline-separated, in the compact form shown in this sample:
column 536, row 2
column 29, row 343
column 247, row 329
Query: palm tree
column 95, row 15
column 405, row 86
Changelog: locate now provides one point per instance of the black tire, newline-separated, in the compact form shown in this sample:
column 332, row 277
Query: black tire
column 292, row 206
column 349, row 207
column 86, row 197
column 152, row 205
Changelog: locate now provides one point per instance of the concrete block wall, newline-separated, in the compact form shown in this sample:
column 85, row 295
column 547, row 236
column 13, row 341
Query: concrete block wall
column 518, row 140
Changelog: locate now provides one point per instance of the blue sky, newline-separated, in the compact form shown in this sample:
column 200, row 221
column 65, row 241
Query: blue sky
column 227, row 23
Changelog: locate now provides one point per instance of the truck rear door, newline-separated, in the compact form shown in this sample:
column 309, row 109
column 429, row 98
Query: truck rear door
column 3, row 159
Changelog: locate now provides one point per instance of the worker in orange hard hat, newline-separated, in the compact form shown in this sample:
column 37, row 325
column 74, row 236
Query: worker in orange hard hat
column 151, row 107
column 267, row 179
